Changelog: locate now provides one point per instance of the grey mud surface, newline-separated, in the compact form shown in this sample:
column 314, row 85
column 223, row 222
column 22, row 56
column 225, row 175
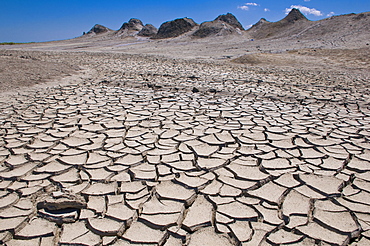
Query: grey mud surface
column 150, row 151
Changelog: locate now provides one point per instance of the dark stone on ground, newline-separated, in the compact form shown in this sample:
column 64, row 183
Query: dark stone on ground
column 195, row 90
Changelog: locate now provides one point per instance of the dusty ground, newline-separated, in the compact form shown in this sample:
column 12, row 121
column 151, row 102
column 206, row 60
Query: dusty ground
column 23, row 69
column 143, row 146
column 26, row 68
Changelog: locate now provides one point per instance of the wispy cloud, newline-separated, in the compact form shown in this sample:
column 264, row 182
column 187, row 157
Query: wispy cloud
column 266, row 9
column 246, row 6
column 252, row 4
column 307, row 0
column 243, row 7
column 330, row 14
column 304, row 10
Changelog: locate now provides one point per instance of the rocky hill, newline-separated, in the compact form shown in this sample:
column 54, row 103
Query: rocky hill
column 338, row 29
column 334, row 30
column 175, row 28
column 292, row 23
column 231, row 20
column 134, row 27
column 223, row 25
column 259, row 24
column 98, row 29
column 148, row 31
column 130, row 28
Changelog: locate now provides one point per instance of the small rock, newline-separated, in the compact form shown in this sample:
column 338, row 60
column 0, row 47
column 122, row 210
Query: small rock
column 68, row 201
column 195, row 90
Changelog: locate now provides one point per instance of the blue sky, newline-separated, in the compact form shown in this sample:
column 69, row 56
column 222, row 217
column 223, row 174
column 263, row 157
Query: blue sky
column 45, row 20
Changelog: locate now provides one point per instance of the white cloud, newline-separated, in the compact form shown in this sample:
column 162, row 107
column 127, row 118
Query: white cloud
column 243, row 7
column 330, row 14
column 307, row 0
column 266, row 9
column 304, row 10
column 246, row 6
column 252, row 4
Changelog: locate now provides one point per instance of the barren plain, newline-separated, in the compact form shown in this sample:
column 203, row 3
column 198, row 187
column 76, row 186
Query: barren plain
column 182, row 141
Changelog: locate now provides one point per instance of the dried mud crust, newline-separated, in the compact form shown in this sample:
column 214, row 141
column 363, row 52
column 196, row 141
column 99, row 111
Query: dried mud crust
column 155, row 151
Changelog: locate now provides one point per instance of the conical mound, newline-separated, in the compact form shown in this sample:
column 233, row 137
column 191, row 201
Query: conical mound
column 175, row 28
column 98, row 29
column 290, row 25
column 231, row 20
column 223, row 25
column 294, row 15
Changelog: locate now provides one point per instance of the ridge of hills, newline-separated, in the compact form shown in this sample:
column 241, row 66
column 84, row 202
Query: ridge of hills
column 221, row 26
column 294, row 24
column 134, row 27
column 223, row 38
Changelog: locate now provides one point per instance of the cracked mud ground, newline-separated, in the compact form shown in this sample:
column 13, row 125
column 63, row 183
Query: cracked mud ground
column 186, row 153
